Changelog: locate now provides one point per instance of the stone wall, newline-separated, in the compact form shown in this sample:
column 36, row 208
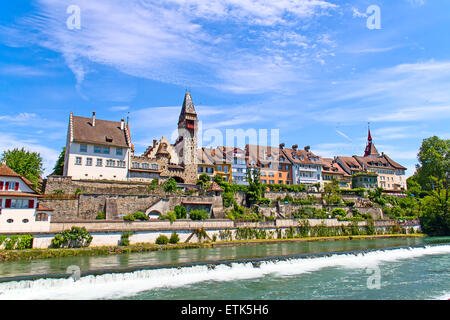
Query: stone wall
column 87, row 206
column 69, row 186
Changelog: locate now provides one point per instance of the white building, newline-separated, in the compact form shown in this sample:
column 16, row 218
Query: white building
column 306, row 166
column 19, row 207
column 97, row 149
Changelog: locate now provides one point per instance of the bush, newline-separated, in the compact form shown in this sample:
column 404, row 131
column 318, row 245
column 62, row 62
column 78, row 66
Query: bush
column 76, row 237
column 171, row 216
column 124, row 238
column 139, row 215
column 198, row 214
column 78, row 191
column 338, row 212
column 162, row 239
column 129, row 217
column 58, row 191
column 174, row 238
column 180, row 212
column 18, row 242
column 170, row 186
column 101, row 216
column 349, row 203
column 370, row 227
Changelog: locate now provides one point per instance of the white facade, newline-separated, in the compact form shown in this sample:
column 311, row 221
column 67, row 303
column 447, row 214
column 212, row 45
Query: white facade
column 306, row 173
column 95, row 162
column 18, row 208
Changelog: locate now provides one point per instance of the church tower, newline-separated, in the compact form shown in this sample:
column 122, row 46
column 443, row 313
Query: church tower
column 370, row 150
column 186, row 144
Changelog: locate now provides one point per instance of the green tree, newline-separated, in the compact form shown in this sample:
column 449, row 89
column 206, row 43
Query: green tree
column 434, row 162
column 58, row 169
column 433, row 175
column 27, row 164
column 203, row 181
column 170, row 186
column 255, row 187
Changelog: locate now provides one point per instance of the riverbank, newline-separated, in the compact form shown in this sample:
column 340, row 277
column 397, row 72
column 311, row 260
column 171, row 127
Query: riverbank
column 33, row 254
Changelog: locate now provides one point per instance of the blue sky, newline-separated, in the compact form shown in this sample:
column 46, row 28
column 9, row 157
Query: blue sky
column 311, row 69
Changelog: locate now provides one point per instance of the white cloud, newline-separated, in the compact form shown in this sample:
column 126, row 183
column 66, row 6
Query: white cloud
column 171, row 40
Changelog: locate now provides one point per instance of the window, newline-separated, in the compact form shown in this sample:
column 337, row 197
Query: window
column 42, row 217
column 264, row 181
column 135, row 165
column 225, row 168
column 83, row 148
column 219, row 168
column 99, row 162
column 110, row 163
column 200, row 169
column 89, row 161
column 99, row 149
column 279, row 175
column 25, row 220
column 12, row 186
column 145, row 166
column 10, row 220
column 272, row 181
column 78, row 161
column 19, row 204
column 119, row 151
column 121, row 164
column 154, row 166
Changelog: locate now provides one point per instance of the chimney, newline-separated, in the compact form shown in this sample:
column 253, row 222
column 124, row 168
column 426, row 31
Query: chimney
column 93, row 119
column 122, row 124
column 154, row 143
column 213, row 152
column 307, row 148
column 282, row 145
column 294, row 147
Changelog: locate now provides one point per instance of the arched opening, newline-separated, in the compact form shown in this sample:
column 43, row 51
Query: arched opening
column 179, row 180
column 154, row 214
column 42, row 216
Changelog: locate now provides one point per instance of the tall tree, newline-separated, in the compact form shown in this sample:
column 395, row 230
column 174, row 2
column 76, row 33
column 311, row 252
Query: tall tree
column 433, row 174
column 27, row 164
column 59, row 166
column 434, row 162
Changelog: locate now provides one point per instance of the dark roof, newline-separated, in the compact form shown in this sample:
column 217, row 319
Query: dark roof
column 393, row 163
column 105, row 132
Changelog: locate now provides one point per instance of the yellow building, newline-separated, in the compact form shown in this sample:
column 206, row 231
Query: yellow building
column 332, row 170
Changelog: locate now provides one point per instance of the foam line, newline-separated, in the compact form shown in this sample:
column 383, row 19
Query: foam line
column 117, row 285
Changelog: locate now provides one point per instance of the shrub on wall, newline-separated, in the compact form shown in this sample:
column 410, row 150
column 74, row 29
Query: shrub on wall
column 129, row 217
column 76, row 237
column 174, row 238
column 139, row 215
column 162, row 239
column 180, row 212
column 338, row 212
column 171, row 216
column 198, row 214
column 125, row 238
column 18, row 242
column 101, row 216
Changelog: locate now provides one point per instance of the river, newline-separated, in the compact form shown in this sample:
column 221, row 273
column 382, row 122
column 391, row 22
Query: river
column 398, row 268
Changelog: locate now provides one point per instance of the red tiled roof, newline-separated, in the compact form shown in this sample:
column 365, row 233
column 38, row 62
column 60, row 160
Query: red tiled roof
column 215, row 187
column 19, row 194
column 8, row 172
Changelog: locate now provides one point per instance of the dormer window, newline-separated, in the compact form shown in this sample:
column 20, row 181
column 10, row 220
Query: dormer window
column 109, row 139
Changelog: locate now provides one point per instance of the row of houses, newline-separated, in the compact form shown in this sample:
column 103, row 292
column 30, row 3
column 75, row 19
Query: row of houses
column 102, row 150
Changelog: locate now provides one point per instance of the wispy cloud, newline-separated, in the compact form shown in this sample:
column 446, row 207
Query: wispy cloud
column 176, row 41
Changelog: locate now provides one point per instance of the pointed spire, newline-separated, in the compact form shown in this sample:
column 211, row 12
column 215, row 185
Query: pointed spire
column 188, row 113
column 370, row 148
column 369, row 138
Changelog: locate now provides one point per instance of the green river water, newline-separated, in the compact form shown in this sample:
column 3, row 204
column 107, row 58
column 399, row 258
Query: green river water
column 398, row 268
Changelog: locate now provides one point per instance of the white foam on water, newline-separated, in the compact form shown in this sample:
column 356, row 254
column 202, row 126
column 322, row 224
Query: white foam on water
column 445, row 296
column 117, row 285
